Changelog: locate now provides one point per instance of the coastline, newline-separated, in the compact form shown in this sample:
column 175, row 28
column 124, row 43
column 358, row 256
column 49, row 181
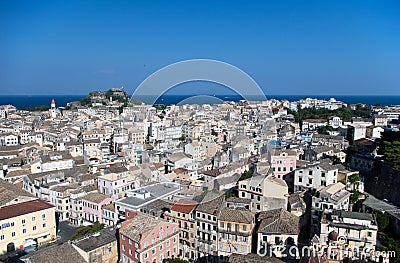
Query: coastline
column 25, row 101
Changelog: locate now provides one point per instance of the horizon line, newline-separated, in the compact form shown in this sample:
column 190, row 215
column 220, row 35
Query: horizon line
column 305, row 95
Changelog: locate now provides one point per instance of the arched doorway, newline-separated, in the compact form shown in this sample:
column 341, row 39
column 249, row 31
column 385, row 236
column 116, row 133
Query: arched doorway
column 10, row 247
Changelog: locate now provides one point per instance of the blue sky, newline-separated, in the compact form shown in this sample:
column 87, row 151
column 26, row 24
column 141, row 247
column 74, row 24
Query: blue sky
column 288, row 47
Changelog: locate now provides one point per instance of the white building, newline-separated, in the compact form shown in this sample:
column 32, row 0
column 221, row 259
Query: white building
column 8, row 139
column 314, row 176
column 334, row 196
column 335, row 122
column 265, row 193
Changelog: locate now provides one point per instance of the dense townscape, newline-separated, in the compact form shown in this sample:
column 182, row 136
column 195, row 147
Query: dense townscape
column 112, row 180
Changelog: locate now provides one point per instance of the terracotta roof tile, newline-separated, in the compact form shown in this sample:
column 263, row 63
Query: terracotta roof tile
column 184, row 206
column 23, row 208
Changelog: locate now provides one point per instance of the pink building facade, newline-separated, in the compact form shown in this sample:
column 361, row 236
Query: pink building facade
column 149, row 240
column 282, row 162
column 92, row 205
column 115, row 185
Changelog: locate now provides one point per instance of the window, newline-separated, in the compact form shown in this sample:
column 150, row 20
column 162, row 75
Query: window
column 221, row 224
column 300, row 179
column 123, row 247
column 309, row 172
column 153, row 251
column 1, row 237
column 161, row 247
column 34, row 228
column 369, row 234
column 23, row 221
column 13, row 234
column 12, row 224
column 244, row 228
column 145, row 255
column 24, row 231
column 33, row 218
column 130, row 241
column 130, row 251
column 44, row 225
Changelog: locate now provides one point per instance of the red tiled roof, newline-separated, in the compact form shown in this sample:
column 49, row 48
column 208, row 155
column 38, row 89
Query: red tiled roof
column 184, row 206
column 23, row 208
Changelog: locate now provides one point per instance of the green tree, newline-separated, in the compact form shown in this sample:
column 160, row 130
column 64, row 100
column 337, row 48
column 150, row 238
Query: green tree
column 354, row 178
column 183, row 138
column 363, row 111
column 245, row 175
column 325, row 129
column 389, row 242
column 85, row 101
column 86, row 230
column 230, row 194
column 382, row 219
column 389, row 147
column 160, row 106
column 354, row 148
column 345, row 113
column 38, row 108
column 355, row 196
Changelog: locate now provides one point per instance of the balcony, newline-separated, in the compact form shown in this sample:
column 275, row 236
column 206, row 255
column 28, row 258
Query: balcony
column 235, row 232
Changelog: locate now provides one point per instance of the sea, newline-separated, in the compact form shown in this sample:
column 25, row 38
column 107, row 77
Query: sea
column 26, row 101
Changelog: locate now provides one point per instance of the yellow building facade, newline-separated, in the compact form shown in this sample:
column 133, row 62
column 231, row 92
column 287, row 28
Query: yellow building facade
column 25, row 223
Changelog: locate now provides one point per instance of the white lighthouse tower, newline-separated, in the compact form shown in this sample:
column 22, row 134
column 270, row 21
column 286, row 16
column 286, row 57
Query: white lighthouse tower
column 53, row 109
